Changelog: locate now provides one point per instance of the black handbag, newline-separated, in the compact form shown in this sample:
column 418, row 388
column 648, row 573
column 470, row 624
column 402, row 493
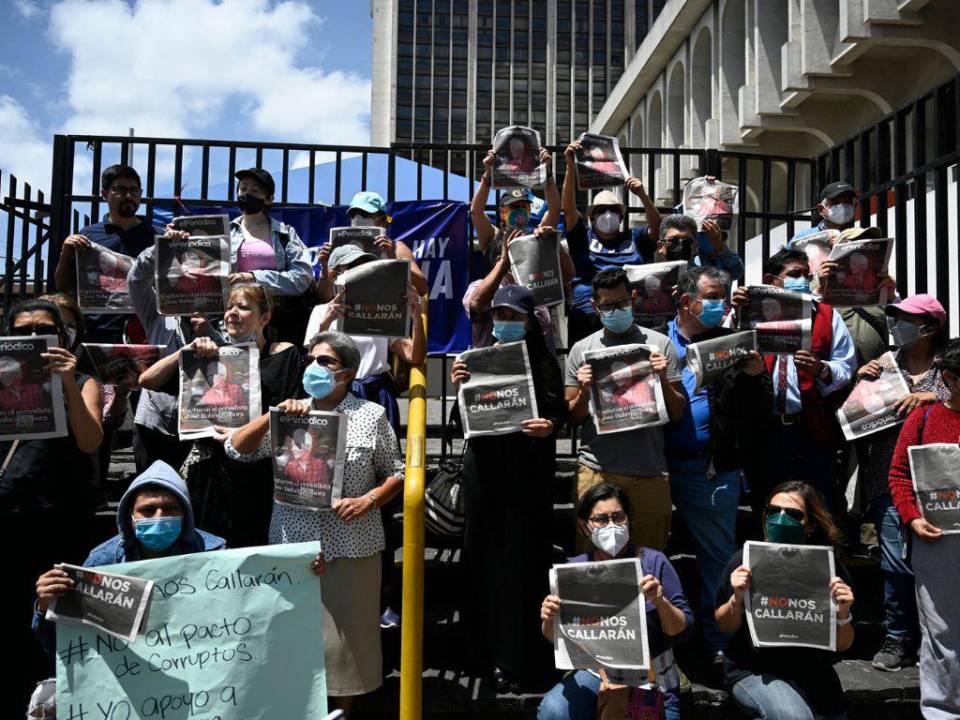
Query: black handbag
column 443, row 500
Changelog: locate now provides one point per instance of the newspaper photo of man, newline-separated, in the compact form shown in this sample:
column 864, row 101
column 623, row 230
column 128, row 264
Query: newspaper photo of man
column 192, row 277
column 653, row 299
column 219, row 390
column 304, row 464
column 15, row 392
column 519, row 157
column 860, row 276
column 622, row 390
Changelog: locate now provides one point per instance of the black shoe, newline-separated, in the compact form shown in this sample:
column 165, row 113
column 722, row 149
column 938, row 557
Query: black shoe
column 894, row 654
column 501, row 680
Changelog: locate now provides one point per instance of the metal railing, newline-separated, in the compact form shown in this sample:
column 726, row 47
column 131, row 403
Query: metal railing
column 26, row 231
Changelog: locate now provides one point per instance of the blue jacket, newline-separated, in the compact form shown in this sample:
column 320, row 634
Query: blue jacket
column 293, row 274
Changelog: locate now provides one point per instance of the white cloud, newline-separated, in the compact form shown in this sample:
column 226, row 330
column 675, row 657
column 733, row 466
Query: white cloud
column 28, row 9
column 23, row 150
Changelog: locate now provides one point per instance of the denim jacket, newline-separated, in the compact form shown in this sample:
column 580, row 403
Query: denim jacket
column 293, row 274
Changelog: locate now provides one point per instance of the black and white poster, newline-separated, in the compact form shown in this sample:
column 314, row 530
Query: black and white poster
column 782, row 318
column 599, row 162
column 789, row 602
column 309, row 454
column 708, row 360
column 603, row 616
column 935, row 470
column 102, row 280
column 119, row 364
column 362, row 237
column 499, row 395
column 869, row 407
column 711, row 200
column 219, row 390
column 116, row 604
column 535, row 260
column 625, row 394
column 375, row 299
column 517, row 164
column 192, row 274
column 31, row 398
column 816, row 246
column 655, row 285
column 203, row 225
column 858, row 279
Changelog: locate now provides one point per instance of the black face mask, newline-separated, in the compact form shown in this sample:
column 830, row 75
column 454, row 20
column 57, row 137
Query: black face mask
column 682, row 250
column 250, row 204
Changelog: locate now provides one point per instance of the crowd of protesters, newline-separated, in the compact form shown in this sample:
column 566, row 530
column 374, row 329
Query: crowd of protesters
column 767, row 427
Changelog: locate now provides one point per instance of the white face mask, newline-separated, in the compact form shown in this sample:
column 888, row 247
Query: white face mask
column 359, row 220
column 611, row 538
column 840, row 214
column 607, row 222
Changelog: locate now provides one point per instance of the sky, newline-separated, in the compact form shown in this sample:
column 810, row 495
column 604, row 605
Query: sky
column 288, row 70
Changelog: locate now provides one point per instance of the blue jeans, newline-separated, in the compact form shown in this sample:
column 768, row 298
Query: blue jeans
column 575, row 698
column 708, row 508
column 899, row 594
column 770, row 698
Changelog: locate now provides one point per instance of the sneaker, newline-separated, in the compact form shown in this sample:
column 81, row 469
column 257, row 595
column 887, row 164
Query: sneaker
column 389, row 620
column 894, row 654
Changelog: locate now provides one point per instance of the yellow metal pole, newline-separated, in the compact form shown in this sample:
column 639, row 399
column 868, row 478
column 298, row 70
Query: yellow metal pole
column 411, row 622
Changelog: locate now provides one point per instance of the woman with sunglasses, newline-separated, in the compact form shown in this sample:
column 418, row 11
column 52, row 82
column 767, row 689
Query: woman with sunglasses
column 603, row 517
column 785, row 682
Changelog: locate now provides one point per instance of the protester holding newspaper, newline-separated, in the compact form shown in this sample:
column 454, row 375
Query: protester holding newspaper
column 508, row 508
column 837, row 209
column 351, row 533
column 679, row 240
column 934, row 555
column 785, row 682
column 632, row 459
column 603, row 517
column 714, row 440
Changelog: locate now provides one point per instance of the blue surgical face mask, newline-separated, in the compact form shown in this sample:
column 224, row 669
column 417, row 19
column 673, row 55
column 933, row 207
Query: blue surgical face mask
column 158, row 534
column 781, row 528
column 712, row 312
column 509, row 330
column 319, row 381
column 795, row 284
column 619, row 321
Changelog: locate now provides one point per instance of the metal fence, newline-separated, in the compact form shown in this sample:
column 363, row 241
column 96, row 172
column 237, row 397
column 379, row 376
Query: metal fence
column 24, row 222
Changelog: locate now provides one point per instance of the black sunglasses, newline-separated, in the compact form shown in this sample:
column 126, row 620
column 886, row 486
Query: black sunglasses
column 44, row 329
column 326, row 360
column 795, row 513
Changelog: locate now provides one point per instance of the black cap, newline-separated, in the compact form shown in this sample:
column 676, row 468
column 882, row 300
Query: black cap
column 834, row 189
column 514, row 196
column 514, row 297
column 260, row 175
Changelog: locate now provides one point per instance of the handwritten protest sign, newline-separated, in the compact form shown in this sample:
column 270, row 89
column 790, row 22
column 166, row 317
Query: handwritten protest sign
column 234, row 635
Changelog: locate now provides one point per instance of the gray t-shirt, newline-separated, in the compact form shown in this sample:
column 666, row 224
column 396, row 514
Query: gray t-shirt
column 634, row 452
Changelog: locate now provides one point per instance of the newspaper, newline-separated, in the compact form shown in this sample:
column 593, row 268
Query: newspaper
column 705, row 200
column 862, row 267
column 708, row 360
column 655, row 284
column 816, row 246
column 102, row 280
column 535, row 260
column 599, row 163
column 870, row 407
column 192, row 275
column 517, row 164
column 935, row 469
column 375, row 299
column 499, row 395
column 309, row 454
column 782, row 318
column 625, row 393
column 203, row 225
column 31, row 398
column 116, row 604
column 789, row 602
column 119, row 364
column 603, row 616
column 219, row 390
column 363, row 237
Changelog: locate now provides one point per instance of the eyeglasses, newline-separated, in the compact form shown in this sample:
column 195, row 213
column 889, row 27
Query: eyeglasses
column 618, row 518
column 326, row 360
column 123, row 190
column 795, row 513
column 34, row 330
column 608, row 308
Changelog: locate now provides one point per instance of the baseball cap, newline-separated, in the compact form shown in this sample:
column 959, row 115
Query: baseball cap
column 871, row 232
column 829, row 192
column 513, row 197
column 260, row 175
column 514, row 297
column 921, row 304
column 606, row 198
column 369, row 202
column 347, row 254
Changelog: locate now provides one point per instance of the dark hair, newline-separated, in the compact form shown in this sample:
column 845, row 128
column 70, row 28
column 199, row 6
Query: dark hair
column 609, row 279
column 115, row 172
column 36, row 305
column 689, row 281
column 776, row 263
column 62, row 300
column 678, row 221
column 603, row 491
column 951, row 357
column 825, row 531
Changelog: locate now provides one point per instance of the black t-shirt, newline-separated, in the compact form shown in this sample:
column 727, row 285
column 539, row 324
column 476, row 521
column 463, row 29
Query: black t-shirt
column 810, row 669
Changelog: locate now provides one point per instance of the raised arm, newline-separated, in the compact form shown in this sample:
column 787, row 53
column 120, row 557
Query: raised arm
column 571, row 216
column 551, row 218
column 478, row 205
column 649, row 208
column 66, row 273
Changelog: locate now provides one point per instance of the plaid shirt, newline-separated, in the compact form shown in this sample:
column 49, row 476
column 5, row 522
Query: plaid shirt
column 309, row 471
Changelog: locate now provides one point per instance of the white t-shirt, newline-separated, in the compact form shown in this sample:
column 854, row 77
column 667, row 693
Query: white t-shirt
column 374, row 351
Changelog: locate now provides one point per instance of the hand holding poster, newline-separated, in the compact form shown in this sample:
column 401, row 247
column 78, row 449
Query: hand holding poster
column 233, row 634
column 499, row 395
column 817, row 247
column 857, row 280
column 655, row 284
column 191, row 274
column 603, row 616
column 31, row 398
column 220, row 390
column 782, row 318
column 599, row 162
column 102, row 280
column 708, row 360
column 203, row 225
column 625, row 393
column 362, row 237
column 119, row 364
column 375, row 299
column 935, row 470
column 517, row 164
column 871, row 406
column 711, row 200
column 789, row 602
column 535, row 260
column 309, row 454
column 116, row 604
